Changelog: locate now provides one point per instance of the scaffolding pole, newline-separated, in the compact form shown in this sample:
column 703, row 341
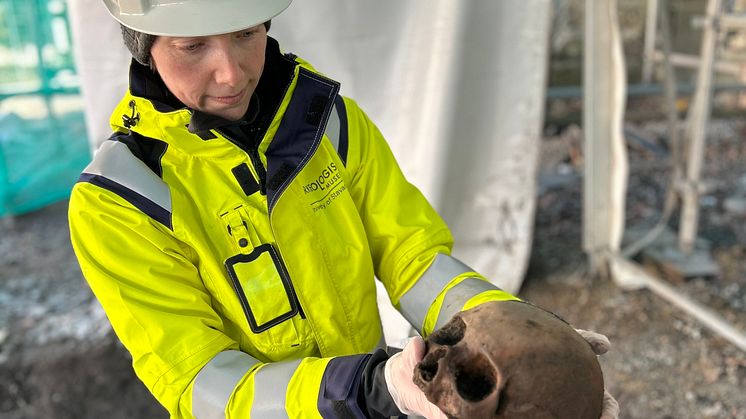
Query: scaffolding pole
column 605, row 177
column 697, row 120
column 648, row 56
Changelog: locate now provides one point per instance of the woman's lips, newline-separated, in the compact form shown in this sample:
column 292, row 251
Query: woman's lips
column 229, row 100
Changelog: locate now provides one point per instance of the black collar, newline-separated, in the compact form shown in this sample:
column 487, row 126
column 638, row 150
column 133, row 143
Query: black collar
column 203, row 121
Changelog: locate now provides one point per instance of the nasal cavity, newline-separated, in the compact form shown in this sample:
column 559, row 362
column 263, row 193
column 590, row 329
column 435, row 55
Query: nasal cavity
column 428, row 367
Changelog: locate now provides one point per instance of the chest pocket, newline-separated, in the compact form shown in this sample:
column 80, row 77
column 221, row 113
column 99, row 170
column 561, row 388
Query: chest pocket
column 262, row 285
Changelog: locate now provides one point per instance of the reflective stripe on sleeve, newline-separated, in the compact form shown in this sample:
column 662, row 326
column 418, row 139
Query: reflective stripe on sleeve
column 270, row 389
column 216, row 381
column 416, row 302
column 116, row 169
column 115, row 162
column 336, row 128
column 457, row 296
column 332, row 128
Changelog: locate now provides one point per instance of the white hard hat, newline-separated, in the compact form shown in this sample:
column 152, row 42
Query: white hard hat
column 193, row 17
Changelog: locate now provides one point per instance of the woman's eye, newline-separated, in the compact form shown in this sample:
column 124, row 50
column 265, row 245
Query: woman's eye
column 190, row 47
column 247, row 34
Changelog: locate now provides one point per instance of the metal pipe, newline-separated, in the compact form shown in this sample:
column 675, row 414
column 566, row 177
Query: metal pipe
column 629, row 275
column 699, row 114
column 731, row 67
column 636, row 90
column 605, row 178
column 674, row 142
column 649, row 46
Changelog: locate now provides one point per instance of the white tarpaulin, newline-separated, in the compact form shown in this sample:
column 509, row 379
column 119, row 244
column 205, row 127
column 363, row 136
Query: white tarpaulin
column 457, row 87
column 101, row 60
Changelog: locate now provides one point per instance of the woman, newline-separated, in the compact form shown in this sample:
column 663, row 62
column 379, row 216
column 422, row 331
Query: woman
column 234, row 223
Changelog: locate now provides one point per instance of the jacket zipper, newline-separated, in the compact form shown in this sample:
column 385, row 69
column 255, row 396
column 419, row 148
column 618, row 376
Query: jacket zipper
column 256, row 161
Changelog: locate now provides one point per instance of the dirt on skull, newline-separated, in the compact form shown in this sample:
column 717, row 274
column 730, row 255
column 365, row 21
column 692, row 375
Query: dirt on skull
column 510, row 360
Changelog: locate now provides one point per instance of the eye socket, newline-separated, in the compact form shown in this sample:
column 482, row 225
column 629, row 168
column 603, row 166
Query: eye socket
column 475, row 377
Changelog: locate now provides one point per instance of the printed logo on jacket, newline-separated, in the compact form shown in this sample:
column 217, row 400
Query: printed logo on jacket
column 325, row 187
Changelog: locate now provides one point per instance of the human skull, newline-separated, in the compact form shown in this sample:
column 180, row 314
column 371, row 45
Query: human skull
column 510, row 360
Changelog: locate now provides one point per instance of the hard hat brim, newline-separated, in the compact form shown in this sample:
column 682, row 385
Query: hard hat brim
column 199, row 17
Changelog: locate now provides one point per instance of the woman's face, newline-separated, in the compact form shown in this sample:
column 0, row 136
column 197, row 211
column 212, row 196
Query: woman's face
column 215, row 74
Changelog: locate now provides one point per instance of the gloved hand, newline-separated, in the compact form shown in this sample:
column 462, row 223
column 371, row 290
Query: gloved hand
column 600, row 345
column 399, row 371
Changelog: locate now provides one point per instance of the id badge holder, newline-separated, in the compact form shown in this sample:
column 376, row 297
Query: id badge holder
column 263, row 286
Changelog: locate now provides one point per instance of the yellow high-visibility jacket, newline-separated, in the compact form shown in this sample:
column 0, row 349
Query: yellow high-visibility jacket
column 241, row 278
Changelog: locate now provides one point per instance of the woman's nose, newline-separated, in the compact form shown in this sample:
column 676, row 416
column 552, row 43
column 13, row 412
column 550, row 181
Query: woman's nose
column 228, row 69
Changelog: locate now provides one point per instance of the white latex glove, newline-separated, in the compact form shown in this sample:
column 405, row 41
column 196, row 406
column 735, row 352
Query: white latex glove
column 610, row 408
column 399, row 371
column 600, row 345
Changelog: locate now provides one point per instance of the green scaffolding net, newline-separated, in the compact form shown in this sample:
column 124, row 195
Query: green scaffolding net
column 43, row 142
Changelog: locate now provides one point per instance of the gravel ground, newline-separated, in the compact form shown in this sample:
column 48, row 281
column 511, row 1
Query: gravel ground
column 58, row 355
column 663, row 363
column 59, row 358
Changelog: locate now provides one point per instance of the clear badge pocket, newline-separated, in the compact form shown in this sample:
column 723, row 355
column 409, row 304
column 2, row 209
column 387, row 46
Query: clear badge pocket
column 263, row 287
